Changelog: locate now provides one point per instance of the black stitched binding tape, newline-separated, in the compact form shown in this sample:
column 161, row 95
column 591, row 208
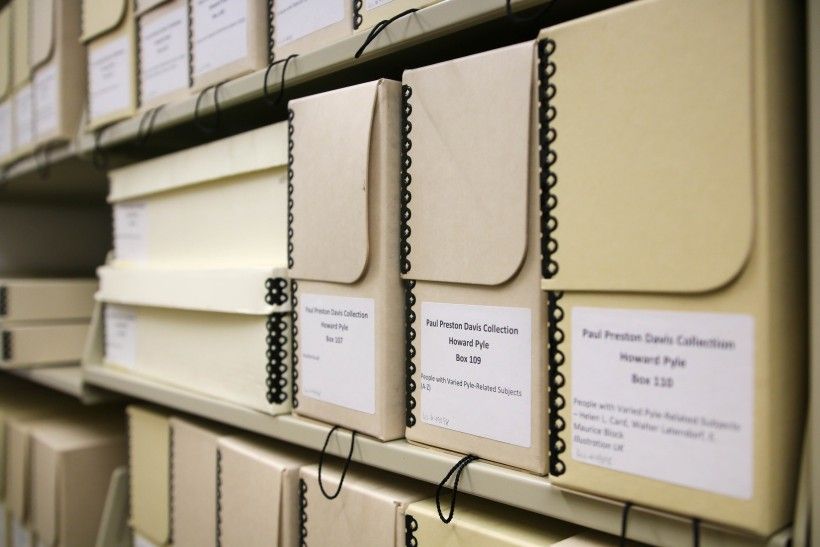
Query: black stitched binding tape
column 410, row 527
column 357, row 14
column 547, row 157
column 6, row 345
column 409, row 352
column 276, row 354
column 406, row 179
column 290, row 188
column 303, row 513
column 171, row 486
column 294, row 343
column 271, row 32
column 190, row 43
column 4, row 301
column 218, row 498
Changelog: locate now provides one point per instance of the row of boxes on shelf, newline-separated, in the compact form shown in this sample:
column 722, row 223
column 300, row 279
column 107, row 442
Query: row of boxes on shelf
column 56, row 461
column 146, row 53
column 195, row 483
column 378, row 261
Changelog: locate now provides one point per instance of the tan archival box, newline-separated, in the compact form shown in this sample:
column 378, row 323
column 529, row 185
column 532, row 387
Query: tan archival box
column 6, row 114
column 480, row 523
column 149, row 436
column 304, row 26
column 165, row 54
column 59, row 70
column 23, row 108
column 46, row 299
column 675, row 256
column 229, row 39
column 30, row 344
column 471, row 257
column 369, row 510
column 259, row 492
column 110, row 37
column 344, row 259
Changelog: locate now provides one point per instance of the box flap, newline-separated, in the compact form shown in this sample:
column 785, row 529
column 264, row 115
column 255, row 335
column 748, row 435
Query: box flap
column 101, row 16
column 330, row 160
column 46, row 473
column 149, row 461
column 17, row 468
column 20, row 61
column 256, row 150
column 242, row 291
column 470, row 132
column 42, row 31
column 5, row 52
column 143, row 6
column 654, row 147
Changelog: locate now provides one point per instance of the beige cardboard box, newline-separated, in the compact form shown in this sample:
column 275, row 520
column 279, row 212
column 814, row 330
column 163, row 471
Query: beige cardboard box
column 194, row 488
column 344, row 259
column 366, row 13
column 58, row 69
column 6, row 103
column 481, row 523
column 675, row 257
column 303, row 26
column 471, row 256
column 22, row 98
column 109, row 34
column 71, row 466
column 229, row 39
column 164, row 51
column 46, row 299
column 369, row 510
column 259, row 492
column 149, row 435
column 26, row 344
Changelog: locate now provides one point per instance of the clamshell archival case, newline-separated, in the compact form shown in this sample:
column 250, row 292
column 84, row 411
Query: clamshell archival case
column 31, row 344
column 38, row 299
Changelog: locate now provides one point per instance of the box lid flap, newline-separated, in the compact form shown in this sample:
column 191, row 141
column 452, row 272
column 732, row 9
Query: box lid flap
column 469, row 125
column 43, row 30
column 101, row 16
column 330, row 168
column 256, row 150
column 653, row 147
column 5, row 52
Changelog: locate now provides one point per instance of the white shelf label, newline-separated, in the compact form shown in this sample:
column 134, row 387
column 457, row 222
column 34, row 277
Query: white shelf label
column 476, row 370
column 131, row 231
column 46, row 100
column 221, row 33
column 120, row 330
column 110, row 77
column 338, row 350
column 297, row 18
column 665, row 395
column 6, row 131
column 23, row 118
column 164, row 54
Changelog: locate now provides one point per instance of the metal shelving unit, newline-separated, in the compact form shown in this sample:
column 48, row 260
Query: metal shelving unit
column 65, row 379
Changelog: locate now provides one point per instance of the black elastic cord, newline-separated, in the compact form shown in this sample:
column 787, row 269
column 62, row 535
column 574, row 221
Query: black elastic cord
column 145, row 129
column 208, row 130
column 624, row 517
column 529, row 19
column 344, row 469
column 457, row 469
column 266, row 92
column 696, row 532
column 378, row 28
column 99, row 157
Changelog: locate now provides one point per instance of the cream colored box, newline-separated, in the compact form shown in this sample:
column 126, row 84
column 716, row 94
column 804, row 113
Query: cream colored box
column 369, row 510
column 367, row 13
column 675, row 258
column 470, row 256
column 149, row 459
column 110, row 37
column 259, row 492
column 304, row 26
column 220, row 333
column 481, row 523
column 58, row 65
column 344, row 259
column 164, row 43
column 22, row 97
column 195, row 487
column 229, row 39
column 6, row 106
column 42, row 343
column 219, row 205
column 38, row 299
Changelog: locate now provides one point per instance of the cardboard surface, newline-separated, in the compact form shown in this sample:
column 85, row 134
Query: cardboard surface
column 43, row 343
column 149, row 434
column 47, row 299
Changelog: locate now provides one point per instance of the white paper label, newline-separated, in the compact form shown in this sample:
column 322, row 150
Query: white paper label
column 220, row 32
column 140, row 541
column 46, row 100
column 373, row 4
column 298, row 18
column 476, row 370
column 164, row 54
column 338, row 350
column 110, row 78
column 23, row 118
column 131, row 231
column 6, row 132
column 120, row 335
column 665, row 395
column 20, row 535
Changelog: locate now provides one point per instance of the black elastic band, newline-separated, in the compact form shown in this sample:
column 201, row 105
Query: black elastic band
column 208, row 130
column 344, row 469
column 529, row 19
column 378, row 27
column 145, row 129
column 457, row 469
column 624, row 517
column 696, row 532
column 278, row 99
column 99, row 157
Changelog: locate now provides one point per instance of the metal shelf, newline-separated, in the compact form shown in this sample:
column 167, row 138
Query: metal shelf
column 493, row 482
column 66, row 379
